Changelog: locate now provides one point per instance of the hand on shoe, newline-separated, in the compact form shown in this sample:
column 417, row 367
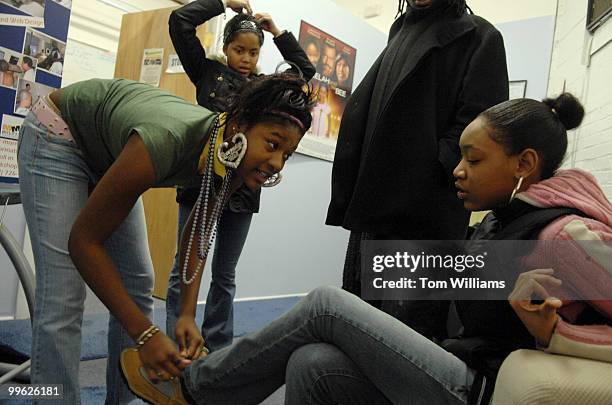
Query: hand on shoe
column 161, row 358
column 189, row 338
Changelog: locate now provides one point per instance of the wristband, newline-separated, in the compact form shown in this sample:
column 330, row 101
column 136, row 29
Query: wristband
column 146, row 335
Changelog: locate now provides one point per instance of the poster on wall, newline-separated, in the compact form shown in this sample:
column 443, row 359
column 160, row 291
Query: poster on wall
column 33, row 36
column 332, row 83
column 151, row 68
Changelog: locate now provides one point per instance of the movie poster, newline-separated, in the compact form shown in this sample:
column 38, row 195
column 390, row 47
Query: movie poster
column 333, row 84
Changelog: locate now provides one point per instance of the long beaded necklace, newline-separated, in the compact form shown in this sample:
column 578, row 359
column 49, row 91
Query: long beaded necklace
column 208, row 227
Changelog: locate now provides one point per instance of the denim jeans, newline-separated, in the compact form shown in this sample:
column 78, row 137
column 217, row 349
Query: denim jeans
column 55, row 183
column 331, row 348
column 218, row 324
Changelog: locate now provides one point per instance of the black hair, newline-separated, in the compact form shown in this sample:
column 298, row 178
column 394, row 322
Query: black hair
column 525, row 123
column 458, row 7
column 347, row 60
column 272, row 98
column 314, row 41
column 27, row 60
column 242, row 23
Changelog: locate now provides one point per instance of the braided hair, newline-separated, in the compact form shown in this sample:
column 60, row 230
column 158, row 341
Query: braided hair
column 280, row 97
column 525, row 123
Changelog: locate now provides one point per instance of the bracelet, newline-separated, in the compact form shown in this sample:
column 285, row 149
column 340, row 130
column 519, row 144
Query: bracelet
column 146, row 335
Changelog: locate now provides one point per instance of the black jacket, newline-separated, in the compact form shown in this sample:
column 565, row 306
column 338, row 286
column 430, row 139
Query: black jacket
column 396, row 177
column 491, row 330
column 215, row 81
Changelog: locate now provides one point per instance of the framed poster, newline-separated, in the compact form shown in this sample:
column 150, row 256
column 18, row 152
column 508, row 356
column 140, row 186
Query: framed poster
column 333, row 83
column 518, row 89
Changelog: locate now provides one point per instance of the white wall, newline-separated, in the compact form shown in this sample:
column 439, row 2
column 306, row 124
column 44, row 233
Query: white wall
column 582, row 62
column 496, row 11
column 528, row 52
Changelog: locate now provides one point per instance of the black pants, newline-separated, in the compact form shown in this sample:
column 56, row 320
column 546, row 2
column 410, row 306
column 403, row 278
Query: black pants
column 426, row 317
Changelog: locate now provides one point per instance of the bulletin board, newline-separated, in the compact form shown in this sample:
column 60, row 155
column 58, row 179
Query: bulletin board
column 33, row 38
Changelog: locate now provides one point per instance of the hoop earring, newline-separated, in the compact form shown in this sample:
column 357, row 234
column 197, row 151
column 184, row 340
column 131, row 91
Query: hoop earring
column 232, row 156
column 516, row 189
column 273, row 180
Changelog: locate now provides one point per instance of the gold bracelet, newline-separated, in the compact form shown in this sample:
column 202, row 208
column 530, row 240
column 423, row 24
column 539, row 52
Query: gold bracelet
column 150, row 328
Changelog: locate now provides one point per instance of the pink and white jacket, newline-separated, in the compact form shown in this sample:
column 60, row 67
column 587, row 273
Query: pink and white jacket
column 593, row 277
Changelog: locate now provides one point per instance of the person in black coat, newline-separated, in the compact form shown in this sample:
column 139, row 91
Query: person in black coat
column 216, row 82
column 398, row 139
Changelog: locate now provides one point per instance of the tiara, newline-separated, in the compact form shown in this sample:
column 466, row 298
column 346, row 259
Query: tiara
column 245, row 25
column 248, row 25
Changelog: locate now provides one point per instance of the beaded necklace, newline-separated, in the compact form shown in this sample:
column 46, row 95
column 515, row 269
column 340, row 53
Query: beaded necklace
column 208, row 227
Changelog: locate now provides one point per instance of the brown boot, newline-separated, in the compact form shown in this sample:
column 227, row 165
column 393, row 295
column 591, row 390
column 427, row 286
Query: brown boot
column 162, row 393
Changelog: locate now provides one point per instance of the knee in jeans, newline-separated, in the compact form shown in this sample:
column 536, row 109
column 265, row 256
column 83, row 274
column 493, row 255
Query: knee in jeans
column 327, row 296
column 309, row 362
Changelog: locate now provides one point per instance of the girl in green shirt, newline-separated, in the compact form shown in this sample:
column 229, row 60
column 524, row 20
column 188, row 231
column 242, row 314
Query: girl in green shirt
column 86, row 154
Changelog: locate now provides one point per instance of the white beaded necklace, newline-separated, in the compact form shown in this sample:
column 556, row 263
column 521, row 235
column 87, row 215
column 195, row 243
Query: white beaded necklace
column 208, row 227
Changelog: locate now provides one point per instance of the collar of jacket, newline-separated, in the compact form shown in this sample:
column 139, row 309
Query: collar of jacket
column 444, row 31
column 447, row 29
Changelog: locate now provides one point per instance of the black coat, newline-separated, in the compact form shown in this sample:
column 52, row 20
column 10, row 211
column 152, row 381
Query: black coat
column 215, row 81
column 397, row 178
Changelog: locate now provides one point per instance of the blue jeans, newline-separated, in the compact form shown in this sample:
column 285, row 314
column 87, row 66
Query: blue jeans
column 218, row 324
column 55, row 184
column 331, row 348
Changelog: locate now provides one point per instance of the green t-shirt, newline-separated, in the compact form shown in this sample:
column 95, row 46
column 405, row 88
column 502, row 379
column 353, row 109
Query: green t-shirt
column 102, row 114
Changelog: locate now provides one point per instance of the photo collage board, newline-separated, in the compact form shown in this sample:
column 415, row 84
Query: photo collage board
column 33, row 35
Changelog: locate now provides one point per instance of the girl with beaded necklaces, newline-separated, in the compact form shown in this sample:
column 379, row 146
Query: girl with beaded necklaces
column 86, row 154
column 215, row 82
column 334, row 348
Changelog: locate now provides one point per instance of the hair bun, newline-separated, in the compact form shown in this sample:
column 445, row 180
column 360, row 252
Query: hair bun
column 567, row 108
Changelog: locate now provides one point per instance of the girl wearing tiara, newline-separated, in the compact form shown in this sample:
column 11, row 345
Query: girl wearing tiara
column 216, row 81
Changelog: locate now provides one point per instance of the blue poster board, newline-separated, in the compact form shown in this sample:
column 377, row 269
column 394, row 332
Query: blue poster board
column 33, row 39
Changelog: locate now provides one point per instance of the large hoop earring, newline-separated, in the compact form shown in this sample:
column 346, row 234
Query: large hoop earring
column 232, row 156
column 516, row 189
column 273, row 180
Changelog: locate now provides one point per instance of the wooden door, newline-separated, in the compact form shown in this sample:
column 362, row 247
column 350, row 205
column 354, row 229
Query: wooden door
column 140, row 31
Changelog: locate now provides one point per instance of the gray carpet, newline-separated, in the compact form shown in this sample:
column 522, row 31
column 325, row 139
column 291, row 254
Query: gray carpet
column 93, row 371
column 249, row 316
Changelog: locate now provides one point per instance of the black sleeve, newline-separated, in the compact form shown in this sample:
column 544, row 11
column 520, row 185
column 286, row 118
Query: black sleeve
column 484, row 85
column 293, row 52
column 183, row 23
